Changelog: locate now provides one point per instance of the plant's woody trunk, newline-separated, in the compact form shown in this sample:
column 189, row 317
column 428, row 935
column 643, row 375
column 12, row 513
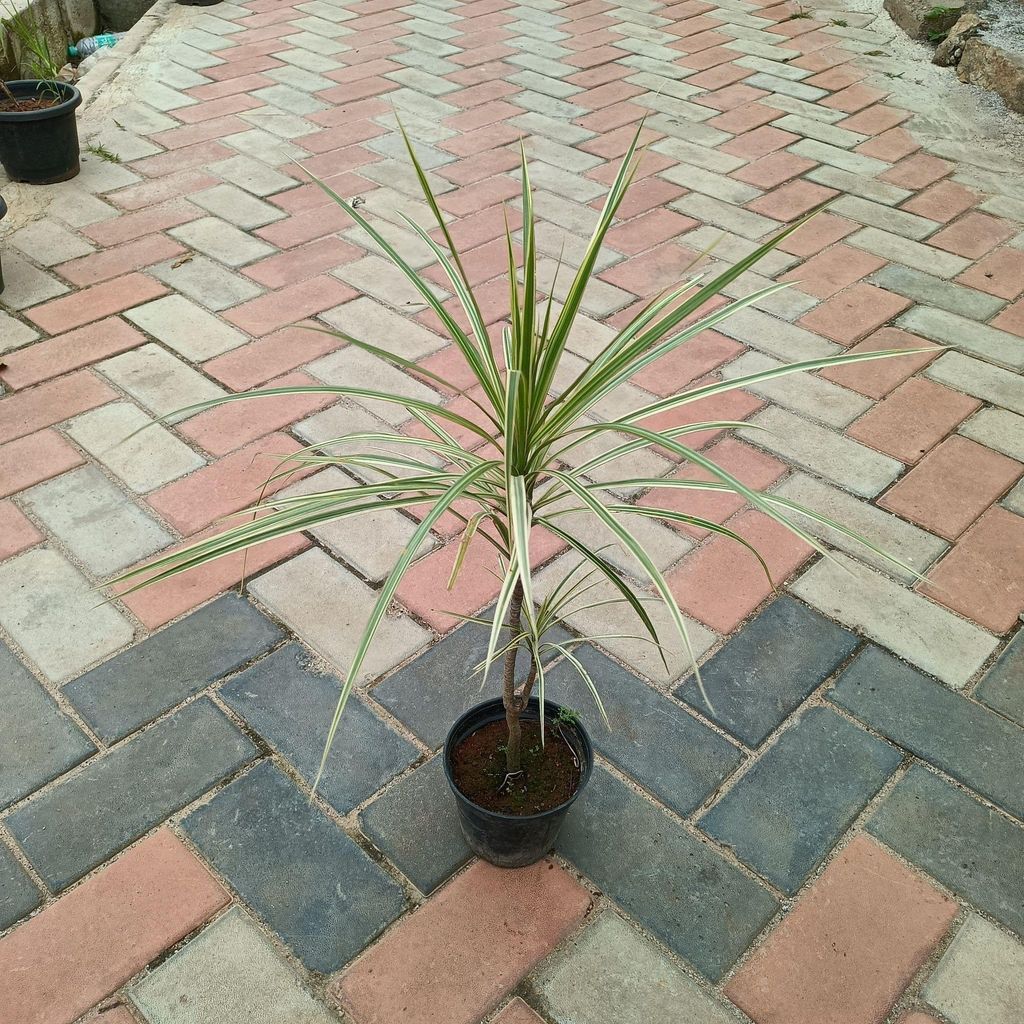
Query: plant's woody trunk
column 513, row 704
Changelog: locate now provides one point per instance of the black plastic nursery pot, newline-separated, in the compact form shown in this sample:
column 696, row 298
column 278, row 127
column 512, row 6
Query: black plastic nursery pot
column 3, row 213
column 510, row 840
column 40, row 146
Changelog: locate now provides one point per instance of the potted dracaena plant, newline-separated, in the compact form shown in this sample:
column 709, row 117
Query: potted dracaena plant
column 38, row 128
column 517, row 763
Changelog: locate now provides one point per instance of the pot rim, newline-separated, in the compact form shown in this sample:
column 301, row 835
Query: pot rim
column 533, row 704
column 72, row 99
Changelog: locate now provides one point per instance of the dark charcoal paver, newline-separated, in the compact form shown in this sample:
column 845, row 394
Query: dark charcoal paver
column 88, row 817
column 432, row 691
column 415, row 823
column 964, row 739
column 37, row 741
column 967, row 846
column 18, row 894
column 684, row 891
column 1003, row 685
column 295, row 868
column 652, row 739
column 291, row 707
column 794, row 803
column 768, row 668
column 145, row 681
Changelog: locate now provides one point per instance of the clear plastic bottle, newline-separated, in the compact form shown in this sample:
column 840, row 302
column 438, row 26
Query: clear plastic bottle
column 88, row 46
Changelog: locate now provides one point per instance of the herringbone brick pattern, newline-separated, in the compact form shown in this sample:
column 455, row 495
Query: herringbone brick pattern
column 839, row 839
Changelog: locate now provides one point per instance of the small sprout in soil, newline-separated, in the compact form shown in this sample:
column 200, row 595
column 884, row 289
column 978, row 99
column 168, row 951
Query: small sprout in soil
column 840, row 23
column 938, row 12
column 875, row 53
column 567, row 716
column 799, row 14
column 98, row 149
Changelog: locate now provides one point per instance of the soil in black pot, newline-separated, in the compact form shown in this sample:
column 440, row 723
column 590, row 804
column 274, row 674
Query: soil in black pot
column 9, row 106
column 550, row 775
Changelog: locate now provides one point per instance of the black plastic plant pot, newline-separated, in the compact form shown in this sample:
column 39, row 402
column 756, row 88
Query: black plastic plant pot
column 40, row 146
column 3, row 213
column 510, row 840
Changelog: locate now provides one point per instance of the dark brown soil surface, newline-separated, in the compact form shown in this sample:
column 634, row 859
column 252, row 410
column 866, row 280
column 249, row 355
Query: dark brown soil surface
column 550, row 775
column 7, row 106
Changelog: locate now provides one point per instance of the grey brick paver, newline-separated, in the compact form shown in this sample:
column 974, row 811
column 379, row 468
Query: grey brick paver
column 612, row 974
column 649, row 738
column 97, row 522
column 229, row 973
column 89, row 816
column 709, row 920
column 924, row 633
column 290, row 705
column 980, row 978
column 1001, row 688
column 141, row 683
column 780, row 822
column 50, row 610
column 18, row 893
column 39, row 741
column 956, row 839
column 282, row 856
column 415, row 823
column 964, row 739
column 764, row 672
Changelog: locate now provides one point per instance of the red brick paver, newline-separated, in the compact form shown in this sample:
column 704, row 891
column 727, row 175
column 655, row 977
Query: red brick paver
column 849, row 947
column 456, row 956
column 92, row 940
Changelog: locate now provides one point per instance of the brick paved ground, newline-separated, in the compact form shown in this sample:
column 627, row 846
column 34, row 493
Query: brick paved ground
column 841, row 841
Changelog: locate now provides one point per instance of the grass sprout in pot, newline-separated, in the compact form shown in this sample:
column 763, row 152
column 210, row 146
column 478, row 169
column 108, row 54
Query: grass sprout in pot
column 513, row 818
column 535, row 452
column 39, row 131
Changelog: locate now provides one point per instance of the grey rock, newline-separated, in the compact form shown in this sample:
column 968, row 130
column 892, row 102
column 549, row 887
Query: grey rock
column 993, row 68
